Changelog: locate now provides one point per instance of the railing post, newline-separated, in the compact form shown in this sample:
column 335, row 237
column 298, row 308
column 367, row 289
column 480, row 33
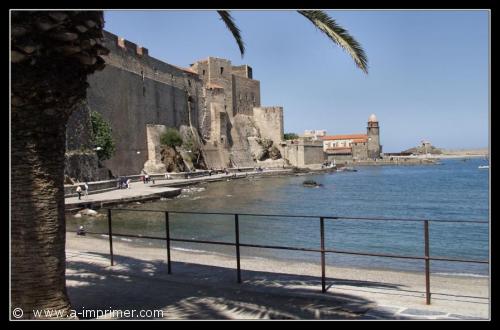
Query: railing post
column 110, row 235
column 427, row 264
column 322, row 235
column 167, row 231
column 237, row 232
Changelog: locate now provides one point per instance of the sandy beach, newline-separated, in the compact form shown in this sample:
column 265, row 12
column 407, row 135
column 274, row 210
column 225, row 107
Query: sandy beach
column 453, row 296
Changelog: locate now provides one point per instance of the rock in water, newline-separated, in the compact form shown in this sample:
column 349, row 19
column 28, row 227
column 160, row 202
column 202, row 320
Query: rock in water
column 311, row 183
column 88, row 212
column 78, row 215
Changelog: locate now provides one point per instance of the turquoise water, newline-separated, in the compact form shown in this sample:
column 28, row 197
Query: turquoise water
column 454, row 190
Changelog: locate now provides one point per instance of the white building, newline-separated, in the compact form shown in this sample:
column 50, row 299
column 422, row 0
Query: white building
column 314, row 134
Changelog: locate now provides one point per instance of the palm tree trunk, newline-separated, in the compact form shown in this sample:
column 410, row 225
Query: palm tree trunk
column 51, row 53
column 37, row 223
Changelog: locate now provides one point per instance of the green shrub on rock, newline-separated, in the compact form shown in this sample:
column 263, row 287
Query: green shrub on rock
column 102, row 137
column 171, row 138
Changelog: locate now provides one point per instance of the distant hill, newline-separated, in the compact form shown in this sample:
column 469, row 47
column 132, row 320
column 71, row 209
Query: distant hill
column 481, row 151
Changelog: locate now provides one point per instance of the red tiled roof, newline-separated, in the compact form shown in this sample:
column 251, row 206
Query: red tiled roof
column 360, row 140
column 345, row 137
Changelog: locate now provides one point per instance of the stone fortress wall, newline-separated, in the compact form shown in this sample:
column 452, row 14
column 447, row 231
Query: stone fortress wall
column 213, row 100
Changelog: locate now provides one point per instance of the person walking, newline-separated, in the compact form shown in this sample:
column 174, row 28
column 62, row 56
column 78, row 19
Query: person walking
column 86, row 190
column 79, row 191
column 80, row 231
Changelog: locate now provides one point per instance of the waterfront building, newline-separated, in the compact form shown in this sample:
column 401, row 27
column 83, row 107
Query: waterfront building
column 314, row 135
column 352, row 147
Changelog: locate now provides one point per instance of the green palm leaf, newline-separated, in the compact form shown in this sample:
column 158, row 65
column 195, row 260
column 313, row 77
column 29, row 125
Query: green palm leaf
column 231, row 25
column 338, row 35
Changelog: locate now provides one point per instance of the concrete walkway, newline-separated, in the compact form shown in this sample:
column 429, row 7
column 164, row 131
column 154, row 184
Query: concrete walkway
column 138, row 192
column 162, row 188
column 204, row 286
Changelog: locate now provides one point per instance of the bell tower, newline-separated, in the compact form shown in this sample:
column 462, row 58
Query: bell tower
column 374, row 148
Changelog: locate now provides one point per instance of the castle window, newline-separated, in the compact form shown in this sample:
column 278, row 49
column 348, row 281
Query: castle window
column 221, row 70
column 203, row 72
column 189, row 83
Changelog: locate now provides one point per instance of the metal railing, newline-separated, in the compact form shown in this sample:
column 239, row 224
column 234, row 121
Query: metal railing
column 322, row 250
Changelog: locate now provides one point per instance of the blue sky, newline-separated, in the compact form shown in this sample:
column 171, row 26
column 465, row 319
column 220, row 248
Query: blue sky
column 428, row 70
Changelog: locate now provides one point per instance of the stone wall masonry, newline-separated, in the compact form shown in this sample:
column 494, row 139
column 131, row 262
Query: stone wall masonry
column 242, row 71
column 82, row 165
column 223, row 79
column 135, row 90
column 214, row 103
column 79, row 129
column 359, row 150
column 313, row 154
column 147, row 66
column 246, row 95
column 373, row 144
column 154, row 164
column 291, row 155
column 340, row 159
column 119, row 96
column 269, row 121
column 302, row 153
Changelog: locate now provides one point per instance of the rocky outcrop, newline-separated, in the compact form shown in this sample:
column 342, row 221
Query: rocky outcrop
column 263, row 149
column 172, row 160
column 81, row 165
column 421, row 150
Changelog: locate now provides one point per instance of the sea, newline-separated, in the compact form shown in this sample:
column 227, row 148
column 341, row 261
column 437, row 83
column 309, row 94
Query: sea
column 456, row 189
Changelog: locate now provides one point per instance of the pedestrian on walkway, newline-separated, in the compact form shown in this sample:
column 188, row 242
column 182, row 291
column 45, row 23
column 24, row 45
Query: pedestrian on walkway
column 79, row 191
column 80, row 231
column 85, row 190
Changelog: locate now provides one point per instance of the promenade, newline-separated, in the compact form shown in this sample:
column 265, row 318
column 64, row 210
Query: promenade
column 162, row 188
column 203, row 286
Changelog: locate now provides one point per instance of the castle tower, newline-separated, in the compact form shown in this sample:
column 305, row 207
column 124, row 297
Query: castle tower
column 374, row 148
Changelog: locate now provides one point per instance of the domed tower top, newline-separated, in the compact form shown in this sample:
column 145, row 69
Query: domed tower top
column 372, row 118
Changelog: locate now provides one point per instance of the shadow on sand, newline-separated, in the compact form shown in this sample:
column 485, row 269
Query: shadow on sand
column 196, row 291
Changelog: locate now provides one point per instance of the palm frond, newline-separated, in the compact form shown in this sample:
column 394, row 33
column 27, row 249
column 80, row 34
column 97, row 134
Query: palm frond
column 231, row 25
column 338, row 35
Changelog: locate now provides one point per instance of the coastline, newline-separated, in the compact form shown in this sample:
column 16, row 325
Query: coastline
column 168, row 188
column 386, row 287
column 452, row 156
